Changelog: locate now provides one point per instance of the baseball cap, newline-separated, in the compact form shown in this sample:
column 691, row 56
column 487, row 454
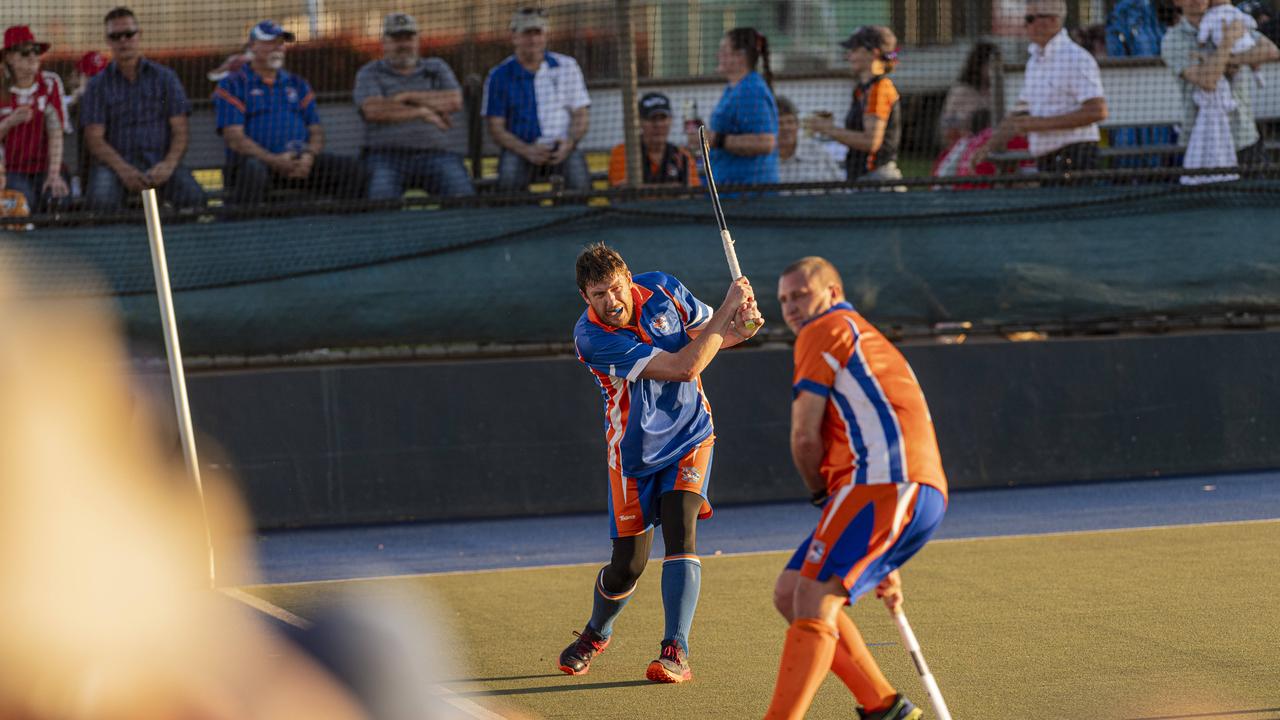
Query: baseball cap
column 869, row 37
column 654, row 103
column 529, row 18
column 91, row 63
column 268, row 30
column 398, row 23
column 20, row 35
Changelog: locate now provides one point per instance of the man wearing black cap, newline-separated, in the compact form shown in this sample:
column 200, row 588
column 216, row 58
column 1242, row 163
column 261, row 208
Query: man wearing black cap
column 873, row 124
column 665, row 163
column 414, row 131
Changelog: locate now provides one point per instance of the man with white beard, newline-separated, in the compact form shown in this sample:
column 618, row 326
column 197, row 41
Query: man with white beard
column 267, row 117
column 413, row 128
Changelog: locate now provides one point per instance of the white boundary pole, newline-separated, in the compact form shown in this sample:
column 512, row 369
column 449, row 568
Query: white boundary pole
column 161, row 267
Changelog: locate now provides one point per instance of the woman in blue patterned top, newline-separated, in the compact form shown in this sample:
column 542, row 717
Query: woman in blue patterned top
column 744, row 126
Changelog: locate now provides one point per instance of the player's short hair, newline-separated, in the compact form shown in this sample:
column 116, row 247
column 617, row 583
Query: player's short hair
column 116, row 13
column 597, row 263
column 814, row 265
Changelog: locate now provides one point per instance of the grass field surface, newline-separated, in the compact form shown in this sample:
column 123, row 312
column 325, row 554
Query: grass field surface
column 1168, row 623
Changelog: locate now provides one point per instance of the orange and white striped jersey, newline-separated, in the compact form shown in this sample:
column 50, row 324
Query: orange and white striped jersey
column 876, row 428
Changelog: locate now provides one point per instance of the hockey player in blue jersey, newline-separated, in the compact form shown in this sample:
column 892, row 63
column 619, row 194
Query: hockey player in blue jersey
column 646, row 339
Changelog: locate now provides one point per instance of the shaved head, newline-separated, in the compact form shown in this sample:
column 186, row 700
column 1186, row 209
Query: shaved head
column 807, row 288
column 817, row 267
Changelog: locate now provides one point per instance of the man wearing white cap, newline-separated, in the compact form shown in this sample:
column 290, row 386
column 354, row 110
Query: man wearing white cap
column 268, row 118
column 536, row 106
column 414, row 133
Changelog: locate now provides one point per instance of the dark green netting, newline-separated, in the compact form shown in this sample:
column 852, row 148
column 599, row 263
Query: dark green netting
column 505, row 274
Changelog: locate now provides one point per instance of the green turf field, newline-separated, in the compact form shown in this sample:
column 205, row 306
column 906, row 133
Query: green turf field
column 1180, row 622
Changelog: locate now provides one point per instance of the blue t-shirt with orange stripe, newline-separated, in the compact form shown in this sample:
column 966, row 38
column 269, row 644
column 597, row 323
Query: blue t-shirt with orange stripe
column 648, row 424
column 275, row 115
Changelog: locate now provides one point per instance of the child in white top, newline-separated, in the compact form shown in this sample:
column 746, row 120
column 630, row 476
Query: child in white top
column 1220, row 14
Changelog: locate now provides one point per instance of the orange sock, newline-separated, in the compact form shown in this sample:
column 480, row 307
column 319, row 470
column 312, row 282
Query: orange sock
column 806, row 658
column 856, row 668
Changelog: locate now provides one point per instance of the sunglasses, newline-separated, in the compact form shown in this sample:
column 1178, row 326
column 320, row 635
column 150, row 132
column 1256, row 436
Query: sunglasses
column 121, row 35
column 1032, row 18
column 27, row 51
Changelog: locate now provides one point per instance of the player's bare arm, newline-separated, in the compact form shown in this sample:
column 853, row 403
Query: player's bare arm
column 806, row 440
column 693, row 358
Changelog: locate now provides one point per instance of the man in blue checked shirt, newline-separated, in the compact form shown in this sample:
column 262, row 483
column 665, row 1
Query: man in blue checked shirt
column 646, row 340
column 268, row 118
column 536, row 107
column 134, row 115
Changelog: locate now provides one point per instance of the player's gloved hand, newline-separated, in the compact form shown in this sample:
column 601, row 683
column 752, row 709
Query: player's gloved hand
column 820, row 498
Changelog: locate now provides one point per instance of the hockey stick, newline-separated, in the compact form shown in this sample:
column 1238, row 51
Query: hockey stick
column 725, row 238
column 926, row 678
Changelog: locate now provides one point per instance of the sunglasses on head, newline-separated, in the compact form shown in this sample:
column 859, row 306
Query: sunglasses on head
column 1029, row 18
column 121, row 35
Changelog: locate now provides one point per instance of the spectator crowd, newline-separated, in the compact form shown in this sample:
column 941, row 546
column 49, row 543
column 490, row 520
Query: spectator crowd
column 134, row 113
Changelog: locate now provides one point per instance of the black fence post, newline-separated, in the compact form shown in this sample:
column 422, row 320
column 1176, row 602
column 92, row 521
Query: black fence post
column 473, row 94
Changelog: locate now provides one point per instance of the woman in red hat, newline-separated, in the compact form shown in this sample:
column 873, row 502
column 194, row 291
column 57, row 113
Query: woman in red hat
column 32, row 120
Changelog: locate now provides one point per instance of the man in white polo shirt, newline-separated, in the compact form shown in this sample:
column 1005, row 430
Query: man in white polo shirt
column 536, row 107
column 1062, row 99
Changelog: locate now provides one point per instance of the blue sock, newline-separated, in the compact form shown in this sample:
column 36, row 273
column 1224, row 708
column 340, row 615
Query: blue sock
column 681, row 581
column 607, row 606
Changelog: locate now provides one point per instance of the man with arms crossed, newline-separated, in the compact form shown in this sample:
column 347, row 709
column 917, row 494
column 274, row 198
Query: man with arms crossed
column 863, row 442
column 646, row 339
column 409, row 104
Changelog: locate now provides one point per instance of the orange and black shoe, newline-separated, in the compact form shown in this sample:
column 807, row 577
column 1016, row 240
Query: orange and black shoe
column 576, row 659
column 901, row 709
column 671, row 665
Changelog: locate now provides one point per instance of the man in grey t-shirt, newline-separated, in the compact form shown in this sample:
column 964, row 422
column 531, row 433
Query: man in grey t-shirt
column 414, row 134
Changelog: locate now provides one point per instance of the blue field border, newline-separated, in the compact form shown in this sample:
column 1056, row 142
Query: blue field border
column 417, row 548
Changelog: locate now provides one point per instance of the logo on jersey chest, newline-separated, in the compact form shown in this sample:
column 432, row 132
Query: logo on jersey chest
column 663, row 324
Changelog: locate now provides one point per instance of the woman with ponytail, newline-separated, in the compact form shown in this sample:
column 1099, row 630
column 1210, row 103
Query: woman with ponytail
column 873, row 126
column 744, row 125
